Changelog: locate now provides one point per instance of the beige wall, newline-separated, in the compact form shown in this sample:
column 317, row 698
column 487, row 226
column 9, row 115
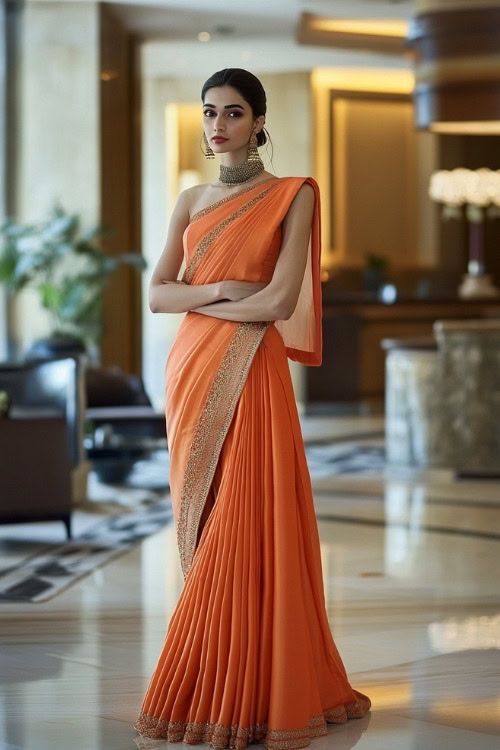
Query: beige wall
column 289, row 124
column 3, row 166
column 381, row 167
column 58, row 142
column 377, row 183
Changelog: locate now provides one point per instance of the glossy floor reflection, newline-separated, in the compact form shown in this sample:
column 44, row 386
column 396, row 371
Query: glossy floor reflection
column 412, row 593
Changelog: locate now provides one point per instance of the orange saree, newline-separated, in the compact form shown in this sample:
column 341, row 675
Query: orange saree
column 248, row 654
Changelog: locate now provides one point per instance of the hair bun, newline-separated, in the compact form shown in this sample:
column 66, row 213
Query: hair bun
column 262, row 137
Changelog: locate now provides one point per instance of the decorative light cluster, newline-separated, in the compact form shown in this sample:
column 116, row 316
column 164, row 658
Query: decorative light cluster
column 456, row 187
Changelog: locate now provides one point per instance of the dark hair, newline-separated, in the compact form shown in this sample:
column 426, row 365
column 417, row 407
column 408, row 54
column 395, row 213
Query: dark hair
column 248, row 87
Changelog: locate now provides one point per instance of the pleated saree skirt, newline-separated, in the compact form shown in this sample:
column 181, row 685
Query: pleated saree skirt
column 248, row 655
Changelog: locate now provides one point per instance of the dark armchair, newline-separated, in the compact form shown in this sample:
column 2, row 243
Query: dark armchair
column 40, row 440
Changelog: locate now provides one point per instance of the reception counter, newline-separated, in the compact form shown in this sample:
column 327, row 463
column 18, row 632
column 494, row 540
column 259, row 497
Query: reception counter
column 353, row 368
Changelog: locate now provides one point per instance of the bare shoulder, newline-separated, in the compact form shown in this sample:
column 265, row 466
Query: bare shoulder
column 189, row 194
column 198, row 196
column 195, row 189
column 190, row 197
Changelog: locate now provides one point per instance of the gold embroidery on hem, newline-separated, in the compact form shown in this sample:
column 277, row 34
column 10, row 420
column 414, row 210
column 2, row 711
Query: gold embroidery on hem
column 210, row 432
column 213, row 206
column 223, row 736
column 208, row 239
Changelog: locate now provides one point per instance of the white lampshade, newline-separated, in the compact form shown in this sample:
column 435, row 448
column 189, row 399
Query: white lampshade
column 479, row 187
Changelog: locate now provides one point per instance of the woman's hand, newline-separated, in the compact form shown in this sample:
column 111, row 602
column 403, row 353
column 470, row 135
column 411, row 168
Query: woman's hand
column 236, row 290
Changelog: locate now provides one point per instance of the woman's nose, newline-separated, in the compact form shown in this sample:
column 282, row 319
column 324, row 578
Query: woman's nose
column 218, row 124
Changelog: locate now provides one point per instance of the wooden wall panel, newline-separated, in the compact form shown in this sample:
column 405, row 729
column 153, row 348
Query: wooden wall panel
column 374, row 178
column 121, row 341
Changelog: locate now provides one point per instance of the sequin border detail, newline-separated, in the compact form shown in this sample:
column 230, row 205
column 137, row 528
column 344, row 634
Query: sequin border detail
column 234, row 736
column 212, row 235
column 222, row 201
column 211, row 430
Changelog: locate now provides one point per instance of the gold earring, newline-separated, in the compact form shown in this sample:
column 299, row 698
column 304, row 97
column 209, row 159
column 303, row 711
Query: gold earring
column 253, row 153
column 209, row 154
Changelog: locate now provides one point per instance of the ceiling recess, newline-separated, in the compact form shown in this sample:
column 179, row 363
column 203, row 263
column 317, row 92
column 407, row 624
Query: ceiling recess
column 385, row 36
column 457, row 69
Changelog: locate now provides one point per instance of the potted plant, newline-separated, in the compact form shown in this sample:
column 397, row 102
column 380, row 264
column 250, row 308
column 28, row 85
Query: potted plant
column 69, row 269
column 5, row 403
column 374, row 271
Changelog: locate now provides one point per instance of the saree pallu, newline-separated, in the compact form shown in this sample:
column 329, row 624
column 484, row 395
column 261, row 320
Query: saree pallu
column 248, row 654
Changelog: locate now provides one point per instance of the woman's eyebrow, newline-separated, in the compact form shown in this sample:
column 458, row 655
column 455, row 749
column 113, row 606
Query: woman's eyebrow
column 226, row 107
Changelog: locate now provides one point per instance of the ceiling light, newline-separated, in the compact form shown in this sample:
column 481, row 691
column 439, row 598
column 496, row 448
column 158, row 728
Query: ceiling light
column 368, row 27
column 484, row 127
column 204, row 36
column 364, row 79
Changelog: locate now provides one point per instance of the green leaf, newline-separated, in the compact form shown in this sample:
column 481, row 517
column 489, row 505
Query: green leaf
column 60, row 226
column 50, row 296
column 96, row 231
column 8, row 265
column 28, row 264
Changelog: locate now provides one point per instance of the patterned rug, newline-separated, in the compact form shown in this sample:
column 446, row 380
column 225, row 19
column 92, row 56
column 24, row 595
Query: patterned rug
column 53, row 568
column 36, row 566
column 36, row 560
column 330, row 459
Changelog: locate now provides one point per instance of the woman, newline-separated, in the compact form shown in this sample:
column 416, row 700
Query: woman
column 248, row 655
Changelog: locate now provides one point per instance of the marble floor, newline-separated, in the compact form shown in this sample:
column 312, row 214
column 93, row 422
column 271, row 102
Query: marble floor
column 411, row 577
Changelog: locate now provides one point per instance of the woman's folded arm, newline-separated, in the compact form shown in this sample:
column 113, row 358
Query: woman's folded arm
column 178, row 297
column 260, row 306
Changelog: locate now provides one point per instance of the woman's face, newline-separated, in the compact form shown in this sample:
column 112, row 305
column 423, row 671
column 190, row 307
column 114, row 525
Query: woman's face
column 227, row 114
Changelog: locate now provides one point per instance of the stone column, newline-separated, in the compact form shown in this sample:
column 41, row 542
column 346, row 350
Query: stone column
column 468, row 374
column 58, row 150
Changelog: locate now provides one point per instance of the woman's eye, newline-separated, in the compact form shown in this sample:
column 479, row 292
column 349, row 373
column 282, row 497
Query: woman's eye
column 210, row 112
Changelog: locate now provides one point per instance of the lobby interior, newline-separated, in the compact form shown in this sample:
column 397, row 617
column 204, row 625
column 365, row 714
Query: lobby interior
column 393, row 107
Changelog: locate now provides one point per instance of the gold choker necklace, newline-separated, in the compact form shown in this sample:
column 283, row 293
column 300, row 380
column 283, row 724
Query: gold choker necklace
column 240, row 172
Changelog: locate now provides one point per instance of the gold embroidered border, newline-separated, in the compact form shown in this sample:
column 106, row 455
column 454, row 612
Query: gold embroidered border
column 210, row 432
column 213, row 206
column 212, row 235
column 234, row 736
